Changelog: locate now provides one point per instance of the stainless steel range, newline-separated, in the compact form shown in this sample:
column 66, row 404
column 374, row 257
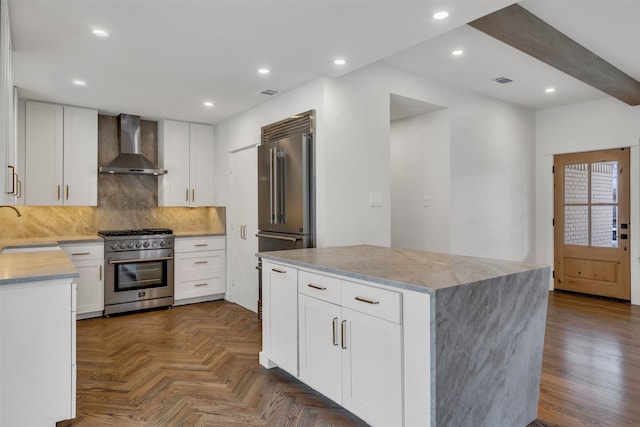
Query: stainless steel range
column 138, row 269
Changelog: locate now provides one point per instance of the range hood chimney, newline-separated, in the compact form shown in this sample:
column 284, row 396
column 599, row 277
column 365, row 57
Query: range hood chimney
column 130, row 160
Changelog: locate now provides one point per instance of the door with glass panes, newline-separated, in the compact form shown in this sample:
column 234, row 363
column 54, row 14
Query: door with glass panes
column 591, row 217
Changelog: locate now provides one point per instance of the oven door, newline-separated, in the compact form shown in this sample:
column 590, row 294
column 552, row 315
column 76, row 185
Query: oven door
column 138, row 275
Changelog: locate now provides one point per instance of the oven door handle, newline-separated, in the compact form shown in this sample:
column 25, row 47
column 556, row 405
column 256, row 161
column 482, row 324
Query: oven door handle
column 129, row 261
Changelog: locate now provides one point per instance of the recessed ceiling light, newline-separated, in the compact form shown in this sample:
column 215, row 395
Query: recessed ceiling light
column 264, row 70
column 550, row 89
column 340, row 61
column 441, row 15
column 100, row 33
column 457, row 52
column 208, row 104
column 78, row 82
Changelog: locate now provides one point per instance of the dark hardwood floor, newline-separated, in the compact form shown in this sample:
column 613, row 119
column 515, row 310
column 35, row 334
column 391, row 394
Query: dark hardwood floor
column 197, row 365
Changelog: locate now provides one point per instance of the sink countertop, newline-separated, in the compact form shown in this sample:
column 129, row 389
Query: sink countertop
column 401, row 268
column 35, row 266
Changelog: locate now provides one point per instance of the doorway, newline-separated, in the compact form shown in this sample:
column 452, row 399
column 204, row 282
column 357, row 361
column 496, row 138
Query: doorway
column 592, row 239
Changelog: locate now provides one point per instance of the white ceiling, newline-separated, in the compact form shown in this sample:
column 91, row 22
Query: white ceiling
column 165, row 57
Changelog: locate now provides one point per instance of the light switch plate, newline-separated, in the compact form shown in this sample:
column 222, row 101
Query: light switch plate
column 375, row 199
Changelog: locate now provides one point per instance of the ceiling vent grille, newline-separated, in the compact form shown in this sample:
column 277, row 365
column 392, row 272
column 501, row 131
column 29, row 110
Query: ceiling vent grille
column 502, row 80
column 268, row 92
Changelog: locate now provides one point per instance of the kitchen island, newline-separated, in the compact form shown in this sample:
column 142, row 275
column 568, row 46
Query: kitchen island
column 409, row 338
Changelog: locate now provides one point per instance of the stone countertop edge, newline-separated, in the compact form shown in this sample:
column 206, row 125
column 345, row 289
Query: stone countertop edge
column 37, row 266
column 416, row 279
column 29, row 242
column 197, row 234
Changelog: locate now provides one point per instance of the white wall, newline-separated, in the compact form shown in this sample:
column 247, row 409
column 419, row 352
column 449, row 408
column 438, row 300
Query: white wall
column 420, row 168
column 589, row 126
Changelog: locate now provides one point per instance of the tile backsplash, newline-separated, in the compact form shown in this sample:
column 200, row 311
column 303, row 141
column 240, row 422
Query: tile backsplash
column 124, row 201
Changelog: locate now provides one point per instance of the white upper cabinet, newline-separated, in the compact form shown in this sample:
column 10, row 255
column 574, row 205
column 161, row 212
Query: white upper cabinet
column 185, row 150
column 8, row 175
column 61, row 155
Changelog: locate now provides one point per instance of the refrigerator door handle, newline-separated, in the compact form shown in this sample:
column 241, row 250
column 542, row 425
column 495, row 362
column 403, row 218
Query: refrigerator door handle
column 271, row 186
column 281, row 185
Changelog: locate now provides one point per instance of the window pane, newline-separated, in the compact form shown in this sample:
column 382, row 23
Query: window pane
column 604, row 182
column 576, row 183
column 603, row 226
column 576, row 225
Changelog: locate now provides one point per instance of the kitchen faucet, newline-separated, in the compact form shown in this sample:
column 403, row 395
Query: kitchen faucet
column 11, row 207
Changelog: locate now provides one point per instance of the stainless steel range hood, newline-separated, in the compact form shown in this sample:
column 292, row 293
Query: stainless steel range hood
column 130, row 160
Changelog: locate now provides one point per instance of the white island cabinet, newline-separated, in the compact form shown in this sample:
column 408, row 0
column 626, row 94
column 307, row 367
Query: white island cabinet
column 37, row 339
column 407, row 338
column 88, row 258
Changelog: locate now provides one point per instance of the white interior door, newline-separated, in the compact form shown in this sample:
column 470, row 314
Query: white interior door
column 244, row 225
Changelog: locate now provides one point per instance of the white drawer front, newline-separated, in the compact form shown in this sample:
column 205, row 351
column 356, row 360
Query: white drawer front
column 82, row 251
column 195, row 244
column 373, row 301
column 199, row 288
column 319, row 286
column 195, row 266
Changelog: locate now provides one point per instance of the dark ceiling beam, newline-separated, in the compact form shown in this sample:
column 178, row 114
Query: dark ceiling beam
column 519, row 28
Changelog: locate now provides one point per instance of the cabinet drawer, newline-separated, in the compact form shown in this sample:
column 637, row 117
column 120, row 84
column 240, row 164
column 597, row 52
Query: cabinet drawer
column 199, row 288
column 82, row 251
column 319, row 286
column 196, row 244
column 373, row 301
column 195, row 266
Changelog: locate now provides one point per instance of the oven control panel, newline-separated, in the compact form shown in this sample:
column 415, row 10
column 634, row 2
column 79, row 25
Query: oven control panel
column 139, row 244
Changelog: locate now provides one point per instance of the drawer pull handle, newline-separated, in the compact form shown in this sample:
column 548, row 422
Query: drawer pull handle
column 368, row 301
column 201, row 262
column 201, row 284
column 344, row 335
column 199, row 245
column 320, row 288
column 275, row 270
column 81, row 253
column 334, row 325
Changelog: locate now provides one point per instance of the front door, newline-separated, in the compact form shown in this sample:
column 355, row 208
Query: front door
column 591, row 216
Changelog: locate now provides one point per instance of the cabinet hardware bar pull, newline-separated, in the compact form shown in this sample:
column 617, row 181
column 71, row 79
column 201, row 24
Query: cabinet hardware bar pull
column 81, row 253
column 344, row 334
column 201, row 245
column 67, row 192
column 19, row 183
column 100, row 276
column 368, row 301
column 201, row 284
column 187, row 199
column 334, row 324
column 13, row 181
column 193, row 194
column 320, row 288
column 58, row 191
column 201, row 262
column 138, row 260
column 278, row 271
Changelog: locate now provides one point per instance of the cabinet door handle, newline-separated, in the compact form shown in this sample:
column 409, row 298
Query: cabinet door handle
column 201, row 245
column 13, row 181
column 67, row 192
column 187, row 198
column 275, row 270
column 81, row 253
column 343, row 336
column 19, row 184
column 334, row 326
column 58, row 191
column 201, row 262
column 320, row 288
column 193, row 194
column 100, row 274
column 201, row 284
column 368, row 301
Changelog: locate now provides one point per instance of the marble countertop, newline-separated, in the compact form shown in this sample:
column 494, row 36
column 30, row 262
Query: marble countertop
column 48, row 241
column 409, row 269
column 35, row 266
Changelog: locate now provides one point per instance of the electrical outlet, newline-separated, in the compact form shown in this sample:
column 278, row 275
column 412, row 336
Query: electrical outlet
column 375, row 199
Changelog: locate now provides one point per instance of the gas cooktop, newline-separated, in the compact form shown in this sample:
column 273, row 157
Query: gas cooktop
column 137, row 232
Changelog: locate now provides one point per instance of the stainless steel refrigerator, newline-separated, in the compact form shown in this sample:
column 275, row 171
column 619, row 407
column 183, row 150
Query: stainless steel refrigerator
column 286, row 187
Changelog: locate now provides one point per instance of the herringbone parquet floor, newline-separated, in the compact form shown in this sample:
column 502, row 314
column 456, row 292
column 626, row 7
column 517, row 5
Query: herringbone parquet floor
column 189, row 366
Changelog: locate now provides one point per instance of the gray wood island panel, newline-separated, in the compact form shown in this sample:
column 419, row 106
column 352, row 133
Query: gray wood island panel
column 485, row 334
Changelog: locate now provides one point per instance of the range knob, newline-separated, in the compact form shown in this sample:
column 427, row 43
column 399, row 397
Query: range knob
column 114, row 246
column 146, row 244
column 164, row 243
column 123, row 245
column 138, row 244
column 155, row 244
column 130, row 245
